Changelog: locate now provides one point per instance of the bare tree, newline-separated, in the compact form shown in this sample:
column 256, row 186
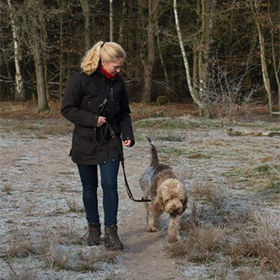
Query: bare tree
column 33, row 18
column 255, row 8
column 276, row 61
column 122, row 22
column 194, row 93
column 19, row 90
column 148, row 59
column 111, row 16
column 86, row 12
column 207, row 15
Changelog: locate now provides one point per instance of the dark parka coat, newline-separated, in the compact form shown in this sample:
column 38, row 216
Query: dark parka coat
column 82, row 105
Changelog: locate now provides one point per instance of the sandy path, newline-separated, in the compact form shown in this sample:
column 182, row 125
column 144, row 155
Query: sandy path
column 144, row 254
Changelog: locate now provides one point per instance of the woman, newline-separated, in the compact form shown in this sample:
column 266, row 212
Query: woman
column 95, row 100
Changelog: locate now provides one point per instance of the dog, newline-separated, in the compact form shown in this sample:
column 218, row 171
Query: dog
column 167, row 193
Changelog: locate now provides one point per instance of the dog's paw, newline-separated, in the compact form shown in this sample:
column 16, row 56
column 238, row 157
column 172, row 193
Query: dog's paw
column 173, row 239
column 151, row 228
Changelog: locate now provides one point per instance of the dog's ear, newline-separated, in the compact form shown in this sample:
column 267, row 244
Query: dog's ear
column 157, row 206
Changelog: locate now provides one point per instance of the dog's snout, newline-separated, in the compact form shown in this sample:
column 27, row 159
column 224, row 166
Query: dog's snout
column 175, row 211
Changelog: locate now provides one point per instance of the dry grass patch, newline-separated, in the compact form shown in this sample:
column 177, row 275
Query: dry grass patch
column 172, row 137
column 143, row 111
column 66, row 234
column 241, row 237
column 73, row 206
column 181, row 123
column 260, row 241
column 21, row 246
column 209, row 194
column 77, row 259
column 201, row 246
column 20, row 273
column 263, row 178
column 7, row 189
column 198, row 155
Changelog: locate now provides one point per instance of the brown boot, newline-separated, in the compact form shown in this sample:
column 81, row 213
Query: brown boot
column 94, row 233
column 111, row 239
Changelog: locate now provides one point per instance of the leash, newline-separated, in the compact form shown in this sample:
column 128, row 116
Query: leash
column 130, row 195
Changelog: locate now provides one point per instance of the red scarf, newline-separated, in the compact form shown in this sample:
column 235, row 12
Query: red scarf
column 105, row 73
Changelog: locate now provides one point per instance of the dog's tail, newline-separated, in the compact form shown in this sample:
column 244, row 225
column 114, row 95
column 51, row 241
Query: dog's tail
column 153, row 151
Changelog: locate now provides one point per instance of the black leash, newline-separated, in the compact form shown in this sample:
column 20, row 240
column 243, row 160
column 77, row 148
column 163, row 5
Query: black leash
column 130, row 195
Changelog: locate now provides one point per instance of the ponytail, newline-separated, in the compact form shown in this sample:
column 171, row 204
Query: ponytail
column 109, row 51
column 91, row 59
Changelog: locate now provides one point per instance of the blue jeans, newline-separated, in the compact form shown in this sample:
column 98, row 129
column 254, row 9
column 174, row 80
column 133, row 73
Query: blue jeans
column 109, row 182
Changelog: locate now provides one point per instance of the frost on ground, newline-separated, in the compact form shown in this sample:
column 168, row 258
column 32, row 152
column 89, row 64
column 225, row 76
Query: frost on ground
column 231, row 229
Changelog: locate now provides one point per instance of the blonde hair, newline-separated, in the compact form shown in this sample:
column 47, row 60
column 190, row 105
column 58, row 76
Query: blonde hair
column 109, row 52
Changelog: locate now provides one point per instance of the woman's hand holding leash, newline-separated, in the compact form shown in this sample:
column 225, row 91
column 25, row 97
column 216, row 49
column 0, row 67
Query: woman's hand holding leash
column 101, row 120
column 127, row 142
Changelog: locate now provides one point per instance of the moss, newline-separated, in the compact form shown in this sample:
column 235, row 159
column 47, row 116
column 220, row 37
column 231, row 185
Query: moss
column 162, row 100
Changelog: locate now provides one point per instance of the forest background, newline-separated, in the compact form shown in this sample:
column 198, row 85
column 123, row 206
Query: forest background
column 217, row 54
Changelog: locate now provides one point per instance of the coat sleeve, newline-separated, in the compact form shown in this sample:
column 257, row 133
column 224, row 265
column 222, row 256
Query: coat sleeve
column 71, row 102
column 125, row 120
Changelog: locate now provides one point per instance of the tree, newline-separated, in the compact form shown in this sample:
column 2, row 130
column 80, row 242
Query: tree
column 19, row 89
column 111, row 16
column 194, row 93
column 33, row 18
column 255, row 7
column 148, row 59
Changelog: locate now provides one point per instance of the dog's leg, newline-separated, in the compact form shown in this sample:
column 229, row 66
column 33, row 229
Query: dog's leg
column 153, row 222
column 173, row 229
column 151, row 227
column 147, row 205
column 154, row 212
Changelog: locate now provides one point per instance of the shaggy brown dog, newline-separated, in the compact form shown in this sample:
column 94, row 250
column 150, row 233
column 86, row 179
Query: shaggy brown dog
column 168, row 194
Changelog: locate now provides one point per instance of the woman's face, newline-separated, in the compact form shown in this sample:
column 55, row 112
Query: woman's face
column 113, row 67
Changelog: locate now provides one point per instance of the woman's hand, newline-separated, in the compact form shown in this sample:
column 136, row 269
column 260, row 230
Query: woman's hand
column 101, row 120
column 127, row 142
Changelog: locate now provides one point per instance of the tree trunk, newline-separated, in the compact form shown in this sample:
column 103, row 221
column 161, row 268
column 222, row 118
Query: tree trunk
column 19, row 90
column 40, row 79
column 207, row 20
column 60, row 55
column 160, row 56
column 86, row 12
column 148, row 63
column 111, row 35
column 265, row 75
column 38, row 48
column 45, row 65
column 194, row 94
column 276, row 71
column 276, row 66
column 121, row 30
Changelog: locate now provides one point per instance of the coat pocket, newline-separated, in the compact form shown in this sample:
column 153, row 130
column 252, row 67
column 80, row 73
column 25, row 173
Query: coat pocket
column 83, row 144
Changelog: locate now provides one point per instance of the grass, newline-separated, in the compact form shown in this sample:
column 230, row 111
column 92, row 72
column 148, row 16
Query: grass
column 77, row 259
column 169, row 138
column 240, row 238
column 201, row 246
column 7, row 189
column 179, row 123
column 172, row 151
column 209, row 194
column 273, row 188
column 265, row 175
column 230, row 240
column 265, row 169
column 21, row 247
column 21, row 273
column 73, row 206
column 198, row 154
